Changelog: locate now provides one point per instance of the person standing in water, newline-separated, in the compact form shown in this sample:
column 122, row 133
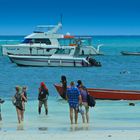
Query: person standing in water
column 74, row 99
column 84, row 113
column 43, row 97
column 24, row 92
column 84, row 93
column 19, row 96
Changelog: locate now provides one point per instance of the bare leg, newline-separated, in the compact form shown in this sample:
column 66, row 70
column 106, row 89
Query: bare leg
column 18, row 115
column 76, row 116
column 46, row 107
column 22, row 112
column 0, row 117
column 71, row 115
column 87, row 114
column 83, row 117
column 22, row 115
column 39, row 107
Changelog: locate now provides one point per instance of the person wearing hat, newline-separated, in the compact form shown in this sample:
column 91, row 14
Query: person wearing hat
column 43, row 97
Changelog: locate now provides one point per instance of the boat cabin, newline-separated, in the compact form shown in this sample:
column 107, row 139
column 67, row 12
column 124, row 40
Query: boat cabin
column 83, row 41
column 66, row 51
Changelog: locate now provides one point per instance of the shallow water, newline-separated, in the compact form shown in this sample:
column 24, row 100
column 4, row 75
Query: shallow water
column 107, row 115
column 117, row 72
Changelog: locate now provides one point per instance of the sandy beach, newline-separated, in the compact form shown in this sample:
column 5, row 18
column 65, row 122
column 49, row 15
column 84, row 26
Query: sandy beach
column 82, row 135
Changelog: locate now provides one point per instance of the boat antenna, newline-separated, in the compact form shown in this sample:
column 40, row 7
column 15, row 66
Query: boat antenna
column 61, row 16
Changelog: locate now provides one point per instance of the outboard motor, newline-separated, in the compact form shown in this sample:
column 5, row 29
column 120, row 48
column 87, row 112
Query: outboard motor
column 93, row 62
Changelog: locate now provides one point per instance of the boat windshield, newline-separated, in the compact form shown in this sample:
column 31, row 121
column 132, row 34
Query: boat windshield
column 63, row 51
column 86, row 42
column 27, row 41
column 66, row 42
column 74, row 41
column 42, row 40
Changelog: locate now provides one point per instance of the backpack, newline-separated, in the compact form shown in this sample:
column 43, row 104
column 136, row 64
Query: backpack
column 91, row 101
column 18, row 101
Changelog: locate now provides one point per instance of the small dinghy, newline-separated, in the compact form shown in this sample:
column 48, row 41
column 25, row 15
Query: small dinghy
column 130, row 53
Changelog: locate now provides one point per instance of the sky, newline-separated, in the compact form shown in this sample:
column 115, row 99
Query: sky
column 80, row 17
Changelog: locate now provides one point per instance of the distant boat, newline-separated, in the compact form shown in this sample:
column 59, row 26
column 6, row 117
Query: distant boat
column 107, row 94
column 130, row 53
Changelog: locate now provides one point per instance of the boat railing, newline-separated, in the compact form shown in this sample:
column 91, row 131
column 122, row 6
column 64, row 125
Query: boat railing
column 49, row 29
column 98, row 47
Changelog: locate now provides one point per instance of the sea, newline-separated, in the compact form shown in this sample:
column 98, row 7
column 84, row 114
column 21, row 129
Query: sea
column 117, row 72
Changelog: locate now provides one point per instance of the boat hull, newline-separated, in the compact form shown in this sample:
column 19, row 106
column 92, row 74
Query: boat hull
column 37, row 50
column 107, row 94
column 43, row 61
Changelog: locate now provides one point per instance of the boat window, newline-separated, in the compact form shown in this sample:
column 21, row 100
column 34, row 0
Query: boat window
column 63, row 51
column 28, row 41
column 45, row 41
column 66, row 42
column 86, row 42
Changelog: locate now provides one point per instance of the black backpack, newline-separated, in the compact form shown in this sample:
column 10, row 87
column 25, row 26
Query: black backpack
column 91, row 101
column 18, row 101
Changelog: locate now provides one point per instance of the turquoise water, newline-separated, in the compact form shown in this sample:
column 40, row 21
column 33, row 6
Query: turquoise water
column 106, row 115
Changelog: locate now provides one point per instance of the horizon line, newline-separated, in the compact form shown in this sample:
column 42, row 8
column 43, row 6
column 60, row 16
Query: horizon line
column 80, row 35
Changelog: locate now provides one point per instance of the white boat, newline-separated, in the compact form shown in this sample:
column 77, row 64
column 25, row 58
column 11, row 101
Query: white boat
column 40, row 42
column 63, row 57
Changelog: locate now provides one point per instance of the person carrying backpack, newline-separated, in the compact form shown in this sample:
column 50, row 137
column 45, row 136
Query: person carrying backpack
column 18, row 97
column 84, row 112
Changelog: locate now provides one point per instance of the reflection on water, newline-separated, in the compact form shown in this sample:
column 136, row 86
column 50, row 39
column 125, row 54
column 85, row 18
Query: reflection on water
column 0, row 125
column 107, row 115
column 79, row 128
column 42, row 128
column 20, row 127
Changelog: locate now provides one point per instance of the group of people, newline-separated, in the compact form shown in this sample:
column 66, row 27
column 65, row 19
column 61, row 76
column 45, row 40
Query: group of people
column 77, row 99
column 20, row 98
column 75, row 95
